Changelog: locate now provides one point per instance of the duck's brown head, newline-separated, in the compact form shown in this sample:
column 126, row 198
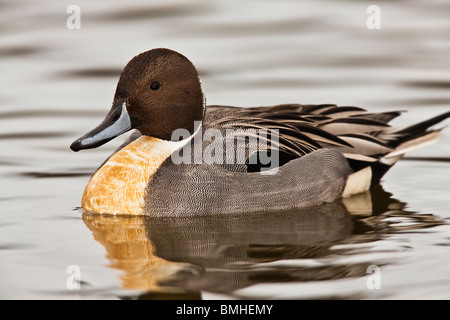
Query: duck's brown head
column 158, row 92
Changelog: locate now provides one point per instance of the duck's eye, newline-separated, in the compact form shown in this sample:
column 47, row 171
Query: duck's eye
column 154, row 86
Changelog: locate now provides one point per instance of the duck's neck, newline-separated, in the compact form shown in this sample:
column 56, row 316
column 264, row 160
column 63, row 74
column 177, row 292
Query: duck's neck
column 118, row 187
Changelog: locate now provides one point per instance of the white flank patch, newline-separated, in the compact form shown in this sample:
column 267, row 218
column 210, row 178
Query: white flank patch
column 358, row 182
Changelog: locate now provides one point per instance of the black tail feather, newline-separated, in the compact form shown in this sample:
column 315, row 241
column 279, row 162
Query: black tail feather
column 419, row 129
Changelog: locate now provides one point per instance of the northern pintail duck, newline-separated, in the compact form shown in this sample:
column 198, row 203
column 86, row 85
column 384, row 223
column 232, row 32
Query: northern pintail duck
column 186, row 158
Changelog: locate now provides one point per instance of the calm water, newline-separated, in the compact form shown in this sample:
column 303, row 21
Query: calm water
column 58, row 83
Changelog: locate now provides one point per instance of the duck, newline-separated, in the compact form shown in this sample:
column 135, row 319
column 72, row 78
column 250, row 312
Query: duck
column 186, row 158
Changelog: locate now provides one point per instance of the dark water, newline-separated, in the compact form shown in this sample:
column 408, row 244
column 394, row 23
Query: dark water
column 58, row 83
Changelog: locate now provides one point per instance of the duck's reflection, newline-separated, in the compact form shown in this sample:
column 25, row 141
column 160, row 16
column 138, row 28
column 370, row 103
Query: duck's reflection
column 173, row 257
column 129, row 249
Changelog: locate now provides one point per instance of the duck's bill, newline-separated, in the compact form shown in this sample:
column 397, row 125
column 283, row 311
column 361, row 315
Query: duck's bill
column 117, row 122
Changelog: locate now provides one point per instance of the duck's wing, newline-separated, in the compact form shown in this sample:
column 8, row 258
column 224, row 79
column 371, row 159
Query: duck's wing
column 296, row 130
column 365, row 139
column 286, row 129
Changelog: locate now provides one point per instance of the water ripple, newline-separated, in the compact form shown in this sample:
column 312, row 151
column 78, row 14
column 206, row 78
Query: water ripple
column 19, row 51
column 40, row 175
column 89, row 73
column 430, row 84
column 33, row 135
column 42, row 113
